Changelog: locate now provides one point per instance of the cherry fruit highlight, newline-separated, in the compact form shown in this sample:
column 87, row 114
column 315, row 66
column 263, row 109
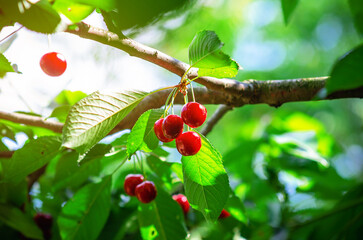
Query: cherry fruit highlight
column 146, row 192
column 172, row 126
column 193, row 114
column 158, row 129
column 183, row 202
column 54, row 64
column 188, row 143
column 131, row 181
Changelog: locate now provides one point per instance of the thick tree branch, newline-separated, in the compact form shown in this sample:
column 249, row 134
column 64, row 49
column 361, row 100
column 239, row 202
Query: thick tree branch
column 218, row 91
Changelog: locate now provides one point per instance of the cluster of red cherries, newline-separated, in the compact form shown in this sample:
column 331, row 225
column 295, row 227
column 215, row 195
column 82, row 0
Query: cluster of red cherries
column 145, row 191
column 53, row 64
column 134, row 185
column 169, row 128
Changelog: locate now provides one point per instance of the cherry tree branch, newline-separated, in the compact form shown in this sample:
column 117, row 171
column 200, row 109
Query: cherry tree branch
column 31, row 121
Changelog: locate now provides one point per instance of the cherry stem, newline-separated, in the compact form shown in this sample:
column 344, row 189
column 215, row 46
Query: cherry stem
column 191, row 88
column 168, row 99
column 118, row 167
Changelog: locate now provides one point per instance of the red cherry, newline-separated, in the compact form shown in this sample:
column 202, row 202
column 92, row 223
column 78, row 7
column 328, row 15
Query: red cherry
column 44, row 221
column 224, row 214
column 188, row 143
column 131, row 181
column 193, row 114
column 183, row 202
column 158, row 129
column 146, row 192
column 53, row 63
column 172, row 126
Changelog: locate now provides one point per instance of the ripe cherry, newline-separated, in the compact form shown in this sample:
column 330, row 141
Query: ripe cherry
column 146, row 192
column 193, row 114
column 158, row 129
column 224, row 214
column 131, row 181
column 188, row 143
column 53, row 63
column 183, row 202
column 172, row 126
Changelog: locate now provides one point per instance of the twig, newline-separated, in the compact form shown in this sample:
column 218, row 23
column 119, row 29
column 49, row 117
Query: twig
column 32, row 121
column 7, row 154
column 218, row 114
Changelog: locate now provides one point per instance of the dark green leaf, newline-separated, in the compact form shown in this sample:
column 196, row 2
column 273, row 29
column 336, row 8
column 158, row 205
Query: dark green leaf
column 347, row 72
column 356, row 8
column 205, row 53
column 288, row 7
column 16, row 219
column 84, row 216
column 95, row 116
column 205, row 181
column 345, row 218
column 162, row 218
column 143, row 132
column 39, row 17
column 31, row 157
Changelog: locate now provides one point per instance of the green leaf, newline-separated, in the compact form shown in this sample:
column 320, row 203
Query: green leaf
column 345, row 218
column 31, row 157
column 73, row 11
column 60, row 113
column 288, row 7
column 205, row 53
column 143, row 132
column 84, row 216
column 16, row 219
column 39, row 17
column 162, row 218
column 347, row 73
column 205, row 181
column 67, row 97
column 5, row 66
column 356, row 8
column 236, row 208
column 106, row 5
column 95, row 116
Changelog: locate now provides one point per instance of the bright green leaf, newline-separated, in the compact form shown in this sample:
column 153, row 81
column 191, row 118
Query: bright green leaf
column 16, row 219
column 73, row 11
column 205, row 53
column 288, row 7
column 106, row 5
column 60, row 113
column 67, row 97
column 39, row 17
column 143, row 131
column 162, row 218
column 205, row 181
column 95, row 116
column 84, row 216
column 5, row 66
column 31, row 157
column 347, row 72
